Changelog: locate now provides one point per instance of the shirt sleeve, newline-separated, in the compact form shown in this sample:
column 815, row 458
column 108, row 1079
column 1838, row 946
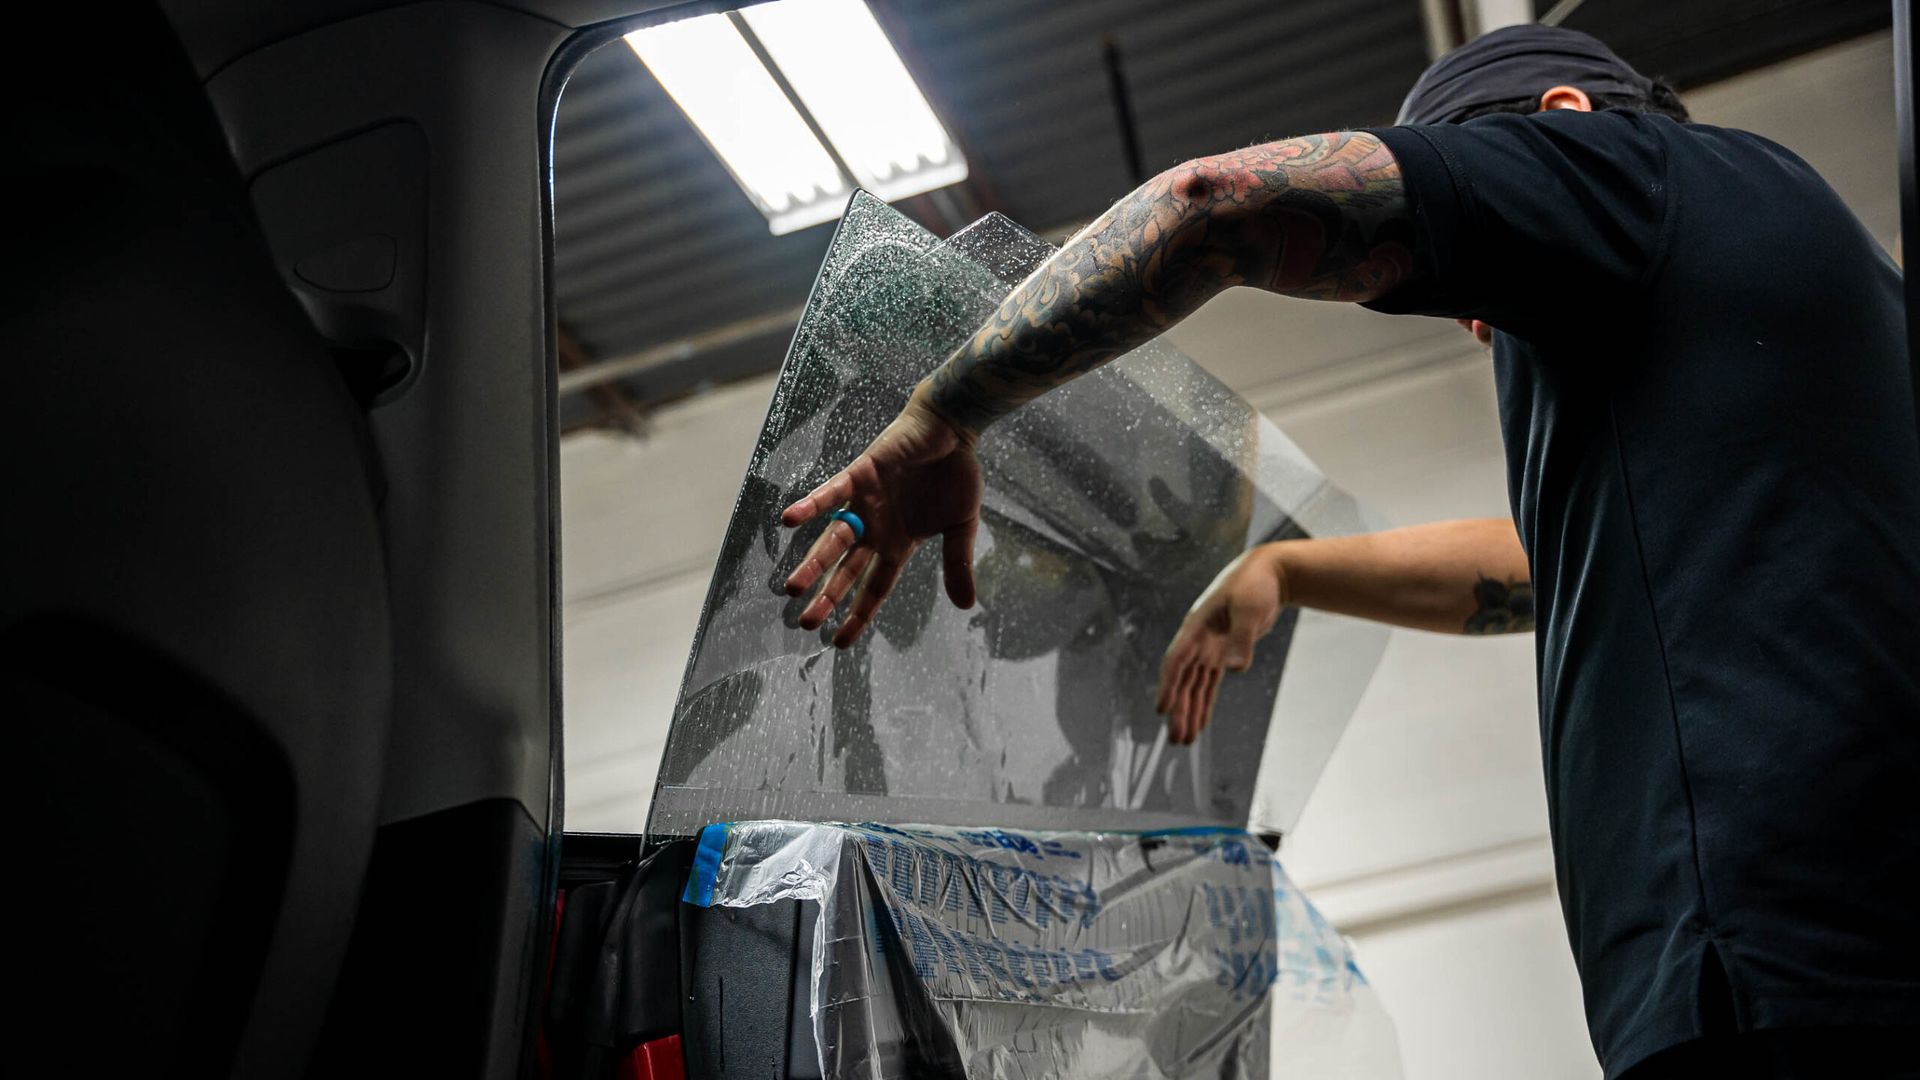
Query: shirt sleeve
column 1537, row 224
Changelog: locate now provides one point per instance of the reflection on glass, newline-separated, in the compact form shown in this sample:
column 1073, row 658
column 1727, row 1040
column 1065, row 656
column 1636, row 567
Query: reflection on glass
column 1110, row 504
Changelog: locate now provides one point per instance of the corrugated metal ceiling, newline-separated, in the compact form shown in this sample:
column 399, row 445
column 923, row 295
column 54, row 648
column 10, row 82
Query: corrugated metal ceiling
column 655, row 243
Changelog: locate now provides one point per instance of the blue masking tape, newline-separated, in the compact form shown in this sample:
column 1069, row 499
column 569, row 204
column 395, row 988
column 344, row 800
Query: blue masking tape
column 706, row 865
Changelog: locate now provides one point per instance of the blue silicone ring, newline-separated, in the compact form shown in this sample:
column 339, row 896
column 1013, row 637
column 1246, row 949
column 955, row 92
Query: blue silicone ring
column 853, row 522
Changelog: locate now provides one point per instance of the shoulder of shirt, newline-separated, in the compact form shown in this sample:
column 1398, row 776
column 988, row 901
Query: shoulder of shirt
column 1616, row 130
column 1721, row 141
column 1656, row 132
column 1640, row 136
column 1610, row 120
column 1656, row 125
column 1614, row 122
column 1726, row 135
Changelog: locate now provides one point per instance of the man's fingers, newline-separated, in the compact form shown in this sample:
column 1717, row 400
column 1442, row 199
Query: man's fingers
column 873, row 592
column 1207, row 698
column 1177, row 705
column 1166, row 668
column 846, row 575
column 826, row 551
column 1195, row 691
column 1164, row 703
column 1481, row 331
column 825, row 497
column 956, row 551
column 1180, row 698
column 836, row 588
column 1171, row 666
column 1178, row 653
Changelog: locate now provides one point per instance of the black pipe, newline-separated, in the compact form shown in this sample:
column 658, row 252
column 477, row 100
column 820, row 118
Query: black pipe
column 1123, row 109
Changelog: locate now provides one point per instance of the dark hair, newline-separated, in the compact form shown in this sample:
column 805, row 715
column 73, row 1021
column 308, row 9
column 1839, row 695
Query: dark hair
column 1661, row 99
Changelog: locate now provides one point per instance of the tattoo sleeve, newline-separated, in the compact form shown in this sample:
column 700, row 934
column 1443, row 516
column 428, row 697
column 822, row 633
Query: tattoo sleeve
column 1500, row 607
column 1323, row 217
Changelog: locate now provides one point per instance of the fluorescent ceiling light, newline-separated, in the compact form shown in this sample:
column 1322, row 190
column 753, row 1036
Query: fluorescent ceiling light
column 741, row 112
column 832, row 57
column 848, row 76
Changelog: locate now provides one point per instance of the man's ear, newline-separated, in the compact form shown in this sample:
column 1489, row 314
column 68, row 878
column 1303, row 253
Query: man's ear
column 1566, row 97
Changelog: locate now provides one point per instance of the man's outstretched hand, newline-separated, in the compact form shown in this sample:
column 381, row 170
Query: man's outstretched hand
column 917, row 480
column 1218, row 635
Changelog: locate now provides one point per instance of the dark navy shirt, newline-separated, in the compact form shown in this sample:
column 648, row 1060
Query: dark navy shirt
column 1712, row 459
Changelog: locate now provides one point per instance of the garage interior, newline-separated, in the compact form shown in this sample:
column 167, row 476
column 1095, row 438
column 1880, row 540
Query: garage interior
column 385, row 375
column 1426, row 839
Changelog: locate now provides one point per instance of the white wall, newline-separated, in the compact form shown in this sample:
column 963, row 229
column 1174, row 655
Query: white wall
column 640, row 524
column 1426, row 839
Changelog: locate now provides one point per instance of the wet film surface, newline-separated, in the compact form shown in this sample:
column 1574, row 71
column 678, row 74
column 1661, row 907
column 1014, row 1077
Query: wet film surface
column 1110, row 504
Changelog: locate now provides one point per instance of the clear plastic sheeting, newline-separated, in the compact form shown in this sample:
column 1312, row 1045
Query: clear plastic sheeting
column 990, row 953
column 1110, row 504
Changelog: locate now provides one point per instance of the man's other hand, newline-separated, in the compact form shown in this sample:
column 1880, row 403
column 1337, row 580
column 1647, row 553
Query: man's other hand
column 917, row 480
column 1218, row 635
column 1481, row 332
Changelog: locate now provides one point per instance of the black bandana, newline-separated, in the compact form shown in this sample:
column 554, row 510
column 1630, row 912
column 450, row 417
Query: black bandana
column 1516, row 62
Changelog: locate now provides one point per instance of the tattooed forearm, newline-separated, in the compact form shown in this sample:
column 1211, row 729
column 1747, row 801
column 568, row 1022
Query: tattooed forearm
column 1323, row 217
column 1500, row 607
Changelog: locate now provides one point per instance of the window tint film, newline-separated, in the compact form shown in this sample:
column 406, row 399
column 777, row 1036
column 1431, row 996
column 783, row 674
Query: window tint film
column 1110, row 504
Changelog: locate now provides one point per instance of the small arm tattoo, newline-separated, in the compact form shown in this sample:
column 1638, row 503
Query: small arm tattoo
column 1501, row 607
column 1323, row 217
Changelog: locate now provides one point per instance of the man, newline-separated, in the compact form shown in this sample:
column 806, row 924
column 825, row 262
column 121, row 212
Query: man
column 1715, row 480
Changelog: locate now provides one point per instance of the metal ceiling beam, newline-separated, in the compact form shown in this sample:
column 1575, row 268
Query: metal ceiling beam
column 1558, row 13
column 1485, row 15
column 1123, row 108
column 606, row 371
column 616, row 408
column 1446, row 26
column 1452, row 23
